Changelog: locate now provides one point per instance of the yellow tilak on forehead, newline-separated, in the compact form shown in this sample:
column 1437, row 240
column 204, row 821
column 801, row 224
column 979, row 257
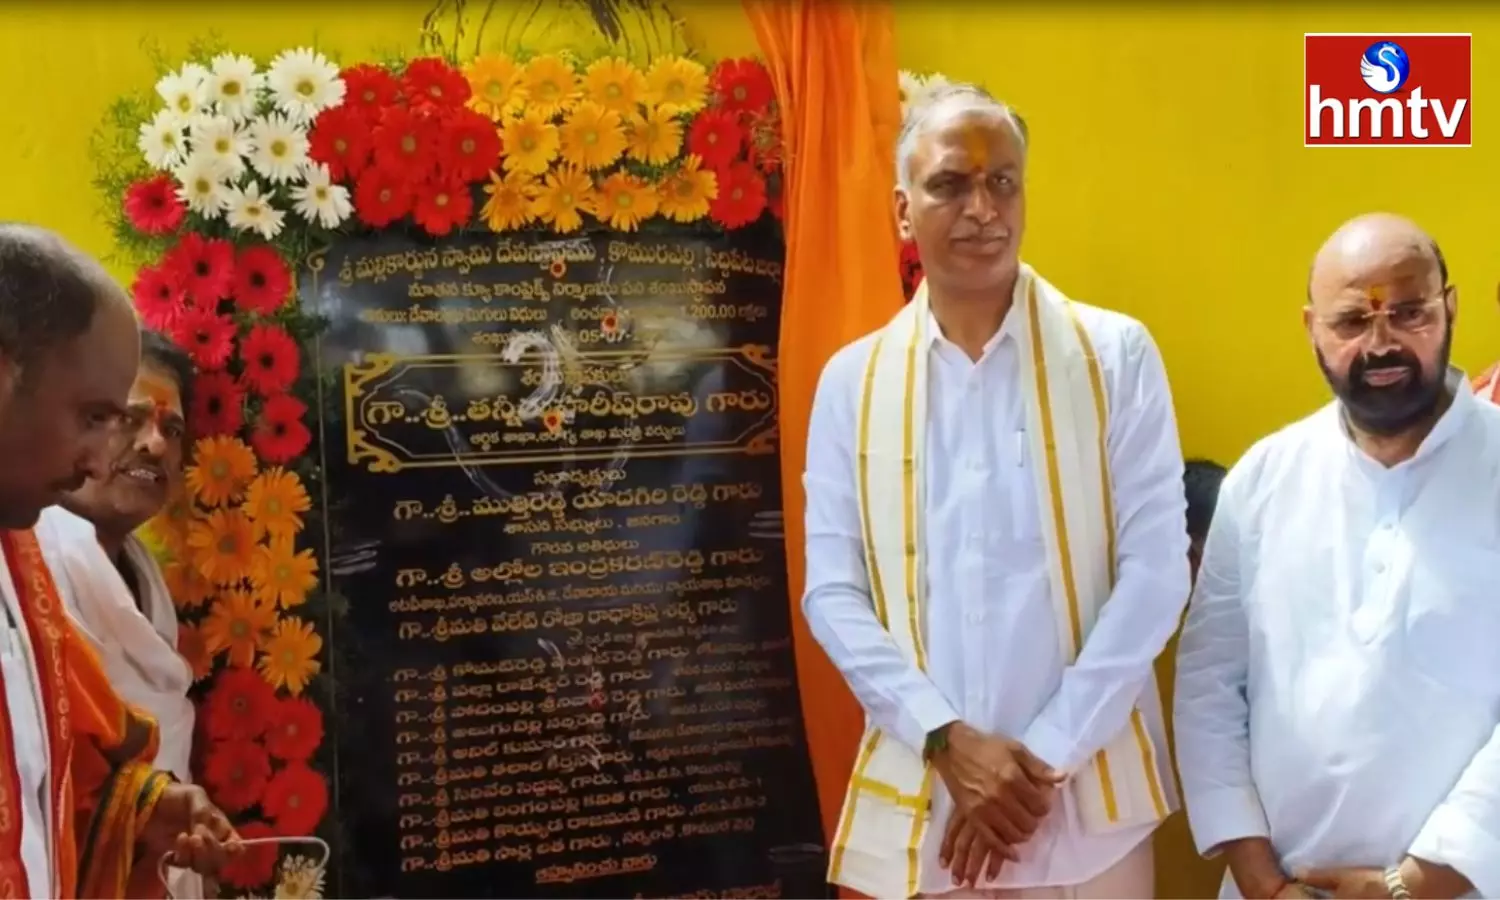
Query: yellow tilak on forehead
column 1376, row 295
column 162, row 393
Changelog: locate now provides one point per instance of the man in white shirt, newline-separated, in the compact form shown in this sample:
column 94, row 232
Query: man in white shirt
column 82, row 810
column 996, row 552
column 1338, row 685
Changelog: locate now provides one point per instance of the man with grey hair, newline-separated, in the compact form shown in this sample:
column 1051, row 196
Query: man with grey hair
column 85, row 813
column 996, row 552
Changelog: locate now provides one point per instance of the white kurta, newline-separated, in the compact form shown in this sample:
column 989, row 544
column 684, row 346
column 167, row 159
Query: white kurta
column 1338, row 679
column 23, row 703
column 990, row 630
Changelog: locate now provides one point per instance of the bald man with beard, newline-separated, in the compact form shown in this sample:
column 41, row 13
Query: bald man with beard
column 1338, row 679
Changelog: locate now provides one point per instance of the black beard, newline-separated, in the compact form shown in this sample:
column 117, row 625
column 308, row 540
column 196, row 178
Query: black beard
column 1389, row 411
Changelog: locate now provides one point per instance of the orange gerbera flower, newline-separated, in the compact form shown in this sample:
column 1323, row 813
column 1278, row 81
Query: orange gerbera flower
column 221, row 468
column 290, row 660
column 186, row 585
column 275, row 502
column 281, row 575
column 238, row 624
column 223, row 545
column 194, row 648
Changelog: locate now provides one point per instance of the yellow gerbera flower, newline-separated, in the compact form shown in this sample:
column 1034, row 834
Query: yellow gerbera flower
column 677, row 83
column 238, row 624
column 530, row 142
column 685, row 193
column 509, row 203
column 592, row 137
column 223, row 545
column 623, row 201
column 614, row 84
column 290, row 660
column 495, row 83
column 221, row 468
column 653, row 138
column 275, row 502
column 551, row 86
column 283, row 576
column 566, row 194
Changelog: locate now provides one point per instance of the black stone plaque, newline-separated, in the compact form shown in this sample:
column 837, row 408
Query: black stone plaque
column 566, row 668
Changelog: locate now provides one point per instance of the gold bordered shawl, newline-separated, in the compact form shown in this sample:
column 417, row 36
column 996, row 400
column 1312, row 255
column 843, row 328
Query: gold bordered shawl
column 887, row 807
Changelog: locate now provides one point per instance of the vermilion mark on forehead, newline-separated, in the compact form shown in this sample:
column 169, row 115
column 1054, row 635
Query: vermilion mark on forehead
column 976, row 146
column 1377, row 297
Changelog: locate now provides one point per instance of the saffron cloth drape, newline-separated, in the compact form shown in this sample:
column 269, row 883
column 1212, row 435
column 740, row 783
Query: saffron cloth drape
column 834, row 66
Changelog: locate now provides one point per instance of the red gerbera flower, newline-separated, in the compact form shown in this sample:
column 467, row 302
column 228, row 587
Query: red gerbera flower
column 153, row 207
column 340, row 140
column 911, row 268
column 159, row 296
column 742, row 85
column 239, row 705
column 296, row 799
column 716, row 137
column 381, row 197
column 218, row 405
column 406, row 143
column 296, row 729
column 443, row 205
column 204, row 267
column 206, row 336
column 257, row 864
column 235, row 773
column 368, row 88
column 432, row 82
column 766, row 150
column 471, row 145
column 742, row 196
column 262, row 280
column 280, row 436
column 271, row 359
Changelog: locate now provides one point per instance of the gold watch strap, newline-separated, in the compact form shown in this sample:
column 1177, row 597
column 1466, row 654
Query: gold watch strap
column 1396, row 884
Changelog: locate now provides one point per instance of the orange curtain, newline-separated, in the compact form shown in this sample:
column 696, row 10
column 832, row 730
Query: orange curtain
column 834, row 65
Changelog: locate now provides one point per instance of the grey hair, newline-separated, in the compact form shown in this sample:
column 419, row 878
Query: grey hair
column 918, row 115
column 49, row 292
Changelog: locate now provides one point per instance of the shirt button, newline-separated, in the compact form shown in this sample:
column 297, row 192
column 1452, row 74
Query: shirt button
column 974, row 618
column 1379, row 567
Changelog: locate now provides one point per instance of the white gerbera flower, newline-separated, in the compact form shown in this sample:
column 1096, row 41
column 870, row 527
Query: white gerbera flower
column 320, row 201
column 234, row 86
column 304, row 83
column 185, row 92
column 301, row 879
column 202, row 186
column 250, row 211
column 161, row 140
column 278, row 148
column 223, row 140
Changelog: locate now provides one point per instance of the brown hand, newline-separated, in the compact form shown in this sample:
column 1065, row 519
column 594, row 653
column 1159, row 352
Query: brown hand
column 196, row 833
column 966, row 854
column 997, row 783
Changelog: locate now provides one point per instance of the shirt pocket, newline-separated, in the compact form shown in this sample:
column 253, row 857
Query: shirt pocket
column 1453, row 624
column 1026, row 513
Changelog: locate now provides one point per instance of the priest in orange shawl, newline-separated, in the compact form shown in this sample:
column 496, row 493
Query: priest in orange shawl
column 82, row 811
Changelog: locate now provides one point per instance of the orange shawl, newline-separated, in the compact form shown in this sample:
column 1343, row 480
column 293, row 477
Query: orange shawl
column 1488, row 384
column 104, row 788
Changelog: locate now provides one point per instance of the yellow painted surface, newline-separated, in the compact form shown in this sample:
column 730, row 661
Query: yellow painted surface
column 1168, row 177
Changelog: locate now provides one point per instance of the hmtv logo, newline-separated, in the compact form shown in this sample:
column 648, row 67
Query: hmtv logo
column 1398, row 90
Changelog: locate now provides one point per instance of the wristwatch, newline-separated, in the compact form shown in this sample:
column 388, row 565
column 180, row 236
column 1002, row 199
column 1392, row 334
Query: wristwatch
column 937, row 742
column 1396, row 884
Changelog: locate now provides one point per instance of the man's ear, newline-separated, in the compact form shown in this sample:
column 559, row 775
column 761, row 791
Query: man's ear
column 903, row 207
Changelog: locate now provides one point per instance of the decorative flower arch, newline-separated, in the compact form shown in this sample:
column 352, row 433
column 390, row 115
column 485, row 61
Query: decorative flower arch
column 222, row 181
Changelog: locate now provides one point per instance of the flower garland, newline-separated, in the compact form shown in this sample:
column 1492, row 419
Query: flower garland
column 915, row 92
column 232, row 173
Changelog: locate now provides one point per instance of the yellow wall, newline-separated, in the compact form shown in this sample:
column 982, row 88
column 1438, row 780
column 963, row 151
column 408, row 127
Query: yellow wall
column 1168, row 174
